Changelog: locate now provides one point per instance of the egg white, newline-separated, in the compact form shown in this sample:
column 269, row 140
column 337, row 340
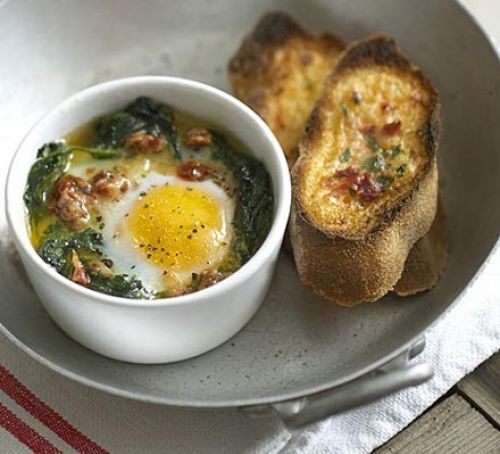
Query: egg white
column 118, row 243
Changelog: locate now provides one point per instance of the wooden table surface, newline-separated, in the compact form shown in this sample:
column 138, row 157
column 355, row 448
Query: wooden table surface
column 466, row 420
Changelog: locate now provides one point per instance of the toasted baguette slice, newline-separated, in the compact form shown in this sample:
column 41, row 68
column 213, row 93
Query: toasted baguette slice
column 365, row 184
column 279, row 70
column 252, row 74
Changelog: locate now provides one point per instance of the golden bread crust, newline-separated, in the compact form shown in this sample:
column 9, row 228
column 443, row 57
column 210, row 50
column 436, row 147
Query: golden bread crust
column 279, row 70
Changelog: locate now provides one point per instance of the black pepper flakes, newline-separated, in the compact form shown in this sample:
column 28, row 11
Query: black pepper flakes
column 108, row 262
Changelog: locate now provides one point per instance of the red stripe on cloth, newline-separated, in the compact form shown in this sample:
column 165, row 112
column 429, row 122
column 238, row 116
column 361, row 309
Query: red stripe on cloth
column 25, row 434
column 11, row 386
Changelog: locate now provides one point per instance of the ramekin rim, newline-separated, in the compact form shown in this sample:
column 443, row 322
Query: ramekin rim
column 263, row 254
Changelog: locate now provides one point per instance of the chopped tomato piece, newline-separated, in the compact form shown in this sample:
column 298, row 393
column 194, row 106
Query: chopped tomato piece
column 391, row 129
column 70, row 200
column 368, row 190
column 197, row 137
column 368, row 129
column 142, row 142
column 194, row 171
column 108, row 184
column 351, row 181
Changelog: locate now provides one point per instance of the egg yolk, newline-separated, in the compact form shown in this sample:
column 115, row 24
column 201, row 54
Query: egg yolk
column 178, row 228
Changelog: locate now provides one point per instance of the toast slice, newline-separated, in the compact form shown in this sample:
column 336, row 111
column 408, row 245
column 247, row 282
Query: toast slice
column 254, row 79
column 365, row 184
column 279, row 70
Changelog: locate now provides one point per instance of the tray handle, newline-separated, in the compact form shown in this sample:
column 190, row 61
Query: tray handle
column 393, row 376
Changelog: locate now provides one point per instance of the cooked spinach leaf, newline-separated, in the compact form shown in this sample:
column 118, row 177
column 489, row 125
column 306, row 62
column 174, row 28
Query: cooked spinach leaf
column 143, row 114
column 48, row 168
column 56, row 248
column 254, row 210
column 51, row 148
column 112, row 129
column 118, row 285
column 58, row 242
column 99, row 153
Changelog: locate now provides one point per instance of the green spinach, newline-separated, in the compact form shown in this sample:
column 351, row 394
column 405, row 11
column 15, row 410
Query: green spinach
column 254, row 210
column 118, row 285
column 58, row 242
column 143, row 114
column 56, row 248
column 51, row 164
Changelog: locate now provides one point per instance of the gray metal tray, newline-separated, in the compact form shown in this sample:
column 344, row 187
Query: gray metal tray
column 306, row 357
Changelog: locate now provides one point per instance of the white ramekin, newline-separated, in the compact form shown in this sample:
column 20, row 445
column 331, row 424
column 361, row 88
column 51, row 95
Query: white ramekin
column 163, row 330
